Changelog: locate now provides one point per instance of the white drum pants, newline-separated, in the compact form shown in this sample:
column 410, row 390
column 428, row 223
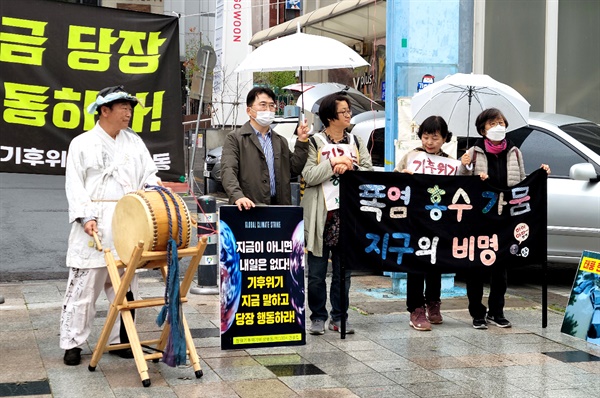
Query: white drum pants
column 79, row 306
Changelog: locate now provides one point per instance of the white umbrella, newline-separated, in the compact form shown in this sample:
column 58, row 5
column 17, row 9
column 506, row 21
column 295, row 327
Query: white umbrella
column 461, row 97
column 299, row 87
column 301, row 51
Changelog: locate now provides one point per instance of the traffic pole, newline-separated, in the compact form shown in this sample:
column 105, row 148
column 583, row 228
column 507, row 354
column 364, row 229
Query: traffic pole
column 207, row 226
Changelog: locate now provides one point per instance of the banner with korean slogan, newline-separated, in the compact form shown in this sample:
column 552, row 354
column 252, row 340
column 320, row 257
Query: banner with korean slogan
column 425, row 163
column 262, row 276
column 418, row 223
column 582, row 315
column 56, row 56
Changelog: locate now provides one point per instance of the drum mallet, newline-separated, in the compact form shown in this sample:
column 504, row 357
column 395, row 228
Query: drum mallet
column 97, row 240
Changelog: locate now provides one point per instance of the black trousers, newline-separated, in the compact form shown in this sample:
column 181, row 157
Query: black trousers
column 498, row 285
column 431, row 282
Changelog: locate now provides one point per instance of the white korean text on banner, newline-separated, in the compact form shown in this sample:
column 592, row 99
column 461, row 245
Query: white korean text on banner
column 262, row 276
column 582, row 315
column 418, row 223
column 55, row 57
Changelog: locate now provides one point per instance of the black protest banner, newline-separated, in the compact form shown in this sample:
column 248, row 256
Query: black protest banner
column 418, row 223
column 55, row 57
column 262, row 276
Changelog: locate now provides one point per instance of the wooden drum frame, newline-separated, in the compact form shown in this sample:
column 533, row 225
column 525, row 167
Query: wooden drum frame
column 142, row 216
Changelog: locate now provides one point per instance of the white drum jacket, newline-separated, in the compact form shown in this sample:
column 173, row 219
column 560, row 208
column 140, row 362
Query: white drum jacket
column 100, row 170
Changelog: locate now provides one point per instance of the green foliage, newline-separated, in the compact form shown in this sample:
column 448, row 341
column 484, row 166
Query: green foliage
column 193, row 43
column 557, row 308
column 569, row 325
column 275, row 80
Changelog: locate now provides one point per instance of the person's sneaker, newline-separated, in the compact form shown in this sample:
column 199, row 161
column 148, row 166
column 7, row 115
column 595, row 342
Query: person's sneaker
column 336, row 326
column 498, row 320
column 479, row 323
column 433, row 312
column 317, row 327
column 418, row 320
column 72, row 356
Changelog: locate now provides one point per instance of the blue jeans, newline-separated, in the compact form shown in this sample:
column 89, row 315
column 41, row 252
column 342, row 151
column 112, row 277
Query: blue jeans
column 317, row 286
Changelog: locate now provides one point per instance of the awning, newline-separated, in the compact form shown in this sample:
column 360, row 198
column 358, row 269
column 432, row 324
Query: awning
column 349, row 21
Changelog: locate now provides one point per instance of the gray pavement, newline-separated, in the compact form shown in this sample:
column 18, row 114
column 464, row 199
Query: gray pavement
column 34, row 227
column 385, row 358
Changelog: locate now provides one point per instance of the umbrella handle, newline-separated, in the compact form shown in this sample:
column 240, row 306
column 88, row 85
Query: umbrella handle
column 301, row 86
column 469, row 118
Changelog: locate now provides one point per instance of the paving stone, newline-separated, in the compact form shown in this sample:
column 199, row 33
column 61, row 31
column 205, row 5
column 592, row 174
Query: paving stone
column 384, row 358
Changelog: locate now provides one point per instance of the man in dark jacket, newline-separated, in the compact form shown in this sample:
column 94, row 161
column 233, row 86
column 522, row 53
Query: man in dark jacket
column 257, row 164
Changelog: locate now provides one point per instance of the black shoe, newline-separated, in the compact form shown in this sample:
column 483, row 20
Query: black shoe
column 498, row 320
column 72, row 357
column 123, row 353
column 479, row 323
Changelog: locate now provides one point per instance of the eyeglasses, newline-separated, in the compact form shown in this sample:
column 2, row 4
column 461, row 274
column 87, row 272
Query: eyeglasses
column 266, row 105
column 347, row 112
column 495, row 123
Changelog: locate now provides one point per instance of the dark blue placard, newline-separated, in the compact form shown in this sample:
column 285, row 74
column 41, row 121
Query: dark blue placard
column 262, row 277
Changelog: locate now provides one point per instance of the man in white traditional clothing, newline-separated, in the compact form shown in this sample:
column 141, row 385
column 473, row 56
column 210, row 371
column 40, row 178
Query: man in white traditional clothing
column 103, row 164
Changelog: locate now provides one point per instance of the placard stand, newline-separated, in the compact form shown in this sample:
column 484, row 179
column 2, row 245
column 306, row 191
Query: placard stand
column 146, row 260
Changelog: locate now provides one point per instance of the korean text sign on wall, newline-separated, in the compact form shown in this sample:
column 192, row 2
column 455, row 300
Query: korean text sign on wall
column 55, row 57
column 262, row 276
column 402, row 222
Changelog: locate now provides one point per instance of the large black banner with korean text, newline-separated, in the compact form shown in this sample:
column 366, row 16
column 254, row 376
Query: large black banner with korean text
column 261, row 266
column 403, row 222
column 55, row 57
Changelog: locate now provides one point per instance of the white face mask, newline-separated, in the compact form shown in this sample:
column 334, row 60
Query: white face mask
column 264, row 118
column 496, row 133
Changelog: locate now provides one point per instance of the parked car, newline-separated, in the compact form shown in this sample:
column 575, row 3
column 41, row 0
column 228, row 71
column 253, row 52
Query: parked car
column 212, row 164
column 372, row 132
column 571, row 146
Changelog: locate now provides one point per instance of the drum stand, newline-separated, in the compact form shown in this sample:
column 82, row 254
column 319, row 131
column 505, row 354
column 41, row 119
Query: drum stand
column 145, row 260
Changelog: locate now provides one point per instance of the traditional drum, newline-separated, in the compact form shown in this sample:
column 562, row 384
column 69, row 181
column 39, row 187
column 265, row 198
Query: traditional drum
column 143, row 216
